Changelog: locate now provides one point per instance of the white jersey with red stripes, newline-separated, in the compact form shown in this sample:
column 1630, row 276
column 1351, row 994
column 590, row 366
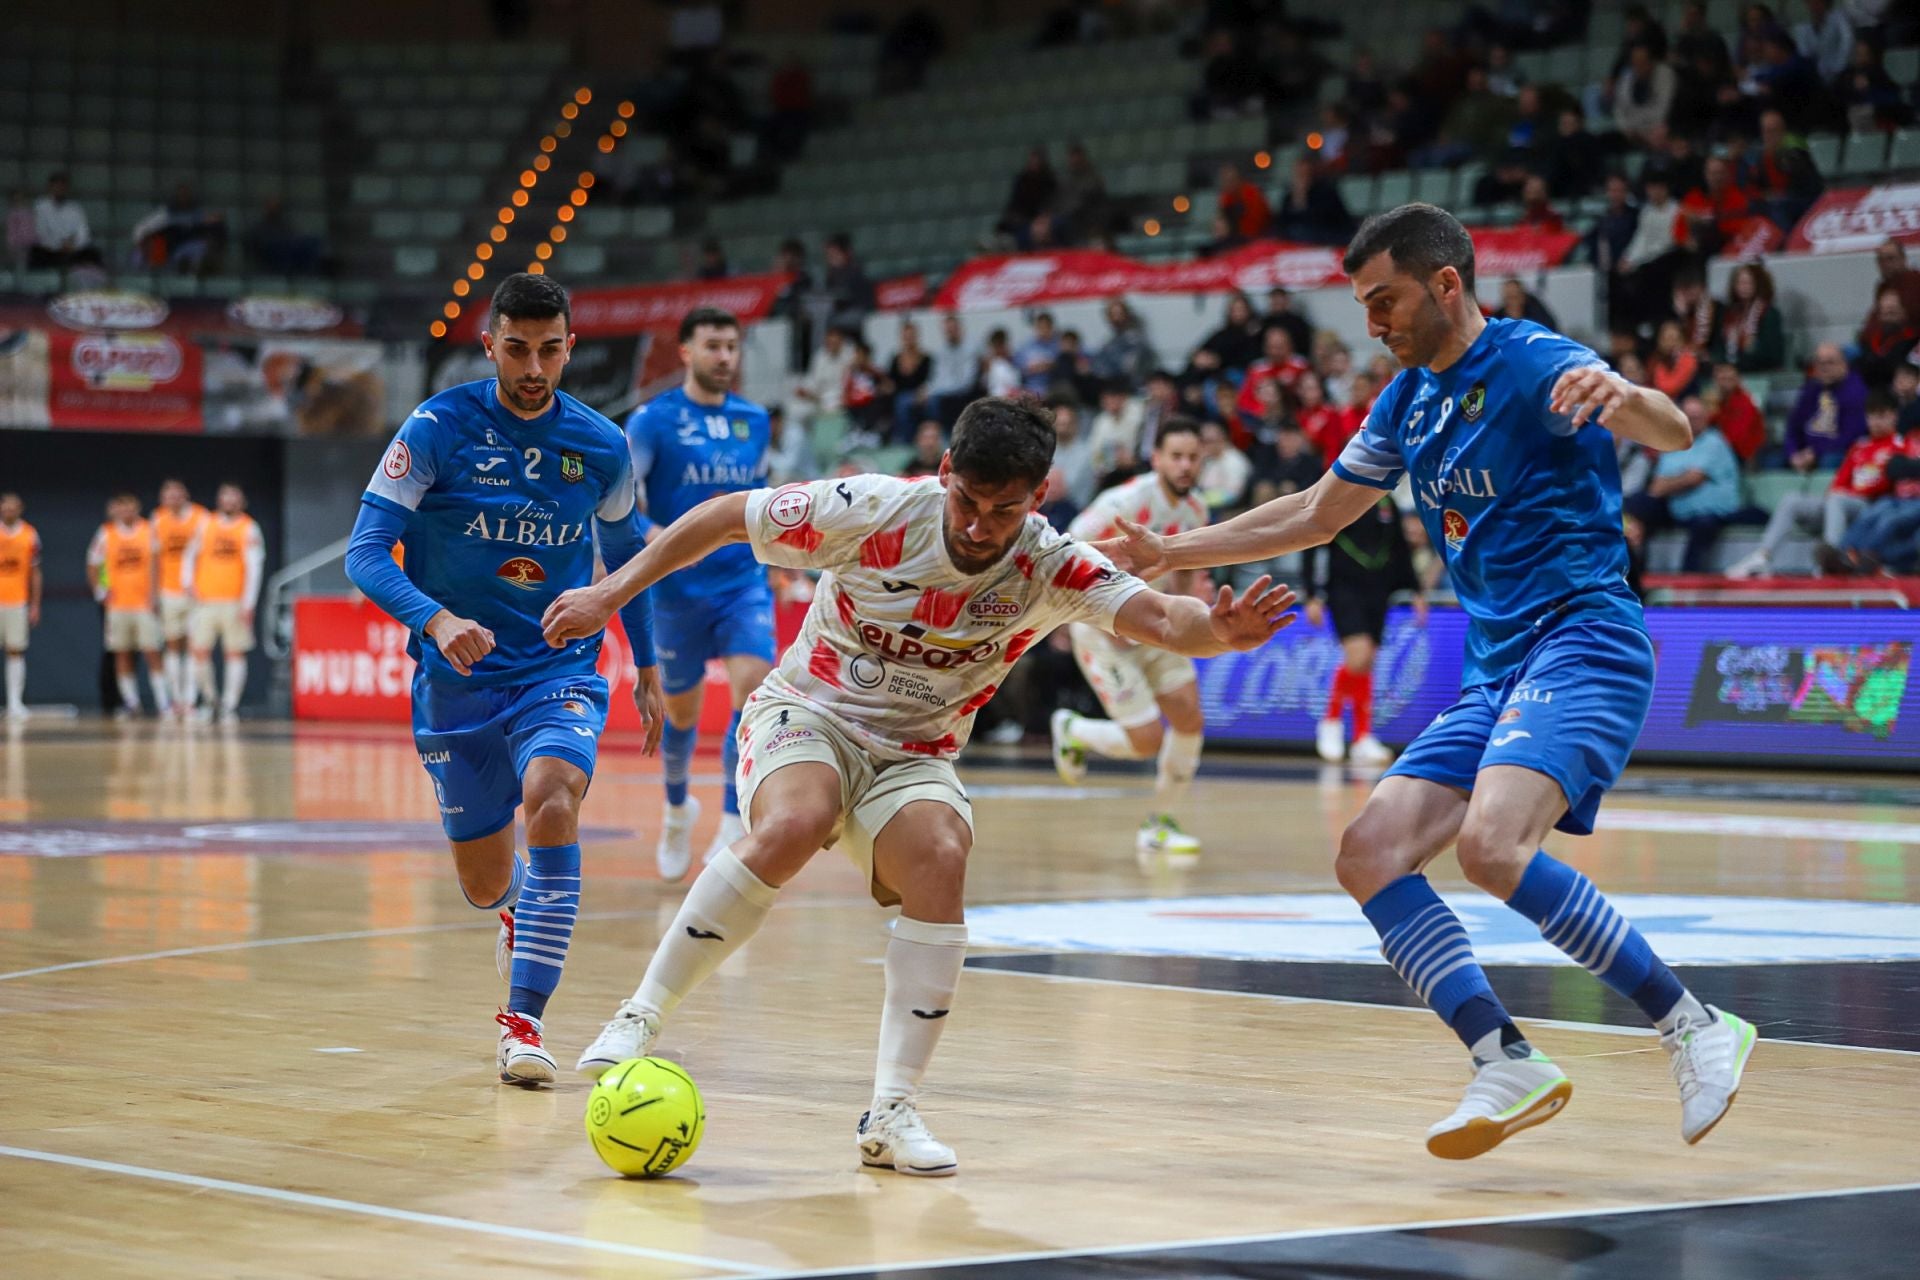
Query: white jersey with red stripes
column 1145, row 501
column 899, row 646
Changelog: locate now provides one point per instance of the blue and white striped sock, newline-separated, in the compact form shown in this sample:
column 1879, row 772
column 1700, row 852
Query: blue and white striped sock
column 729, row 761
column 543, row 926
column 676, row 759
column 1577, row 918
column 1427, row 946
column 507, row 899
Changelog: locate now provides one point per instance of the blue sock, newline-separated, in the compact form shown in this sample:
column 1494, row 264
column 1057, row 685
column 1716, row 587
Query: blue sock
column 676, row 758
column 1577, row 918
column 729, row 761
column 543, row 926
column 511, row 896
column 1427, row 946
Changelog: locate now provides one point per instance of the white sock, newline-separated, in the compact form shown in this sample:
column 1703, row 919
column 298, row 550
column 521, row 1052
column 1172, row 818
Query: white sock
column 1179, row 761
column 726, row 905
column 162, row 693
column 176, row 663
column 923, row 968
column 16, row 680
column 1688, row 1008
column 199, row 672
column 1103, row 738
column 236, row 682
column 129, row 692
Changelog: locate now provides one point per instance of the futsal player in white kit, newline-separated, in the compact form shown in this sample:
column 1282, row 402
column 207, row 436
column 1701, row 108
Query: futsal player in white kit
column 1151, row 697
column 932, row 589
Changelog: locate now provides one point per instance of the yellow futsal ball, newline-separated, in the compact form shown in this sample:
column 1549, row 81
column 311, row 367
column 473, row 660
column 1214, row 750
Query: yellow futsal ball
column 645, row 1117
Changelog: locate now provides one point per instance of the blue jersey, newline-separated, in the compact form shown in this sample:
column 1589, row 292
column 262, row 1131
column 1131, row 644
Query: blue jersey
column 1525, row 509
column 498, row 510
column 685, row 453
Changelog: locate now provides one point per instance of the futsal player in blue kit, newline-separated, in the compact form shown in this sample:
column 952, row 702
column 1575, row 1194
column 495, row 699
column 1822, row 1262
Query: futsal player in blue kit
column 1505, row 431
column 693, row 443
column 499, row 491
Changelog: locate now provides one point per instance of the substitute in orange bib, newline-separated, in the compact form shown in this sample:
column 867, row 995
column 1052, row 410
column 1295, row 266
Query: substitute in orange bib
column 19, row 597
column 123, row 568
column 176, row 522
column 221, row 573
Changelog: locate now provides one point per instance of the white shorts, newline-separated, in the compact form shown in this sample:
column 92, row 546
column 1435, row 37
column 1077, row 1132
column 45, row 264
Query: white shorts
column 220, row 620
column 1129, row 680
column 132, row 631
column 777, row 731
column 13, row 628
column 175, row 612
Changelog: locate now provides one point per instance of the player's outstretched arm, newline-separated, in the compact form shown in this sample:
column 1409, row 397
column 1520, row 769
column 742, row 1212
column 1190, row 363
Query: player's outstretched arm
column 584, row 611
column 1288, row 523
column 1182, row 624
column 1640, row 414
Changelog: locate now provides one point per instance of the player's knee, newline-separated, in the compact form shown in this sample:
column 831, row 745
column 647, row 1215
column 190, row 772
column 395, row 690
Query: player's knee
column 553, row 813
column 1373, row 854
column 1145, row 738
column 485, row 884
column 1491, row 858
column 794, row 833
column 940, row 872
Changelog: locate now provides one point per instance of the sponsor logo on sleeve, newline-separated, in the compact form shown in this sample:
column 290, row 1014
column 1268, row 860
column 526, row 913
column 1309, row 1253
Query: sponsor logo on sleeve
column 790, row 507
column 399, row 461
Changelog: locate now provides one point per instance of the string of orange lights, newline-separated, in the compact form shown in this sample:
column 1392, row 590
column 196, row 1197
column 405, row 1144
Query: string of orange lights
column 1184, row 204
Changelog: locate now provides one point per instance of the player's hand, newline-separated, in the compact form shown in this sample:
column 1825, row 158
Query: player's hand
column 1138, row 551
column 1317, row 612
column 246, row 619
column 33, row 615
column 1421, row 610
column 1590, row 394
column 1253, row 619
column 577, row 614
column 461, row 641
column 652, row 706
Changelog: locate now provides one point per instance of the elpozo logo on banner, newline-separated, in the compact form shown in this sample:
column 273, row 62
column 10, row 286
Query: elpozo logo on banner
column 270, row 314
column 1859, row 219
column 107, row 310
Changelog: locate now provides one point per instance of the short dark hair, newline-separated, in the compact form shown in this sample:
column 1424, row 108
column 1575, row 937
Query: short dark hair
column 715, row 317
column 1001, row 439
column 1178, row 424
column 529, row 297
column 1420, row 238
column 1881, row 402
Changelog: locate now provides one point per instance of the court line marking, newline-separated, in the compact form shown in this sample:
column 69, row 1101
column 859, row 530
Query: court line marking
column 1330, row 1233
column 308, row 1201
column 1558, row 1024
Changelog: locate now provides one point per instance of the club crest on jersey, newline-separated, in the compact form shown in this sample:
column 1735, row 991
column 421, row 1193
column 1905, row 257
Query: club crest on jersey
column 740, row 429
column 573, row 466
column 790, row 507
column 521, row 572
column 1454, row 526
column 1474, row 402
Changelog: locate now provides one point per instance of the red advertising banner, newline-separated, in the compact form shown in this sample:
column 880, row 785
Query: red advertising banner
column 350, row 663
column 1018, row 280
column 642, row 308
column 900, row 292
column 144, row 381
column 1857, row 219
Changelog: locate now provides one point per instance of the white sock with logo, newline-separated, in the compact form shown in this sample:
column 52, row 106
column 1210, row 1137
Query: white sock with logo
column 726, row 905
column 1179, row 761
column 236, row 682
column 129, row 691
column 16, row 680
column 1103, row 738
column 923, row 970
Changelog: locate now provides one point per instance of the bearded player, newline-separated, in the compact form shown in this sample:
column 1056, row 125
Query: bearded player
column 933, row 587
column 1506, row 430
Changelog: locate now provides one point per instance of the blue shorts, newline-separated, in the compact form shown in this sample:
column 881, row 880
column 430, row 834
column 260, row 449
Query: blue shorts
column 686, row 634
column 477, row 741
column 1572, row 711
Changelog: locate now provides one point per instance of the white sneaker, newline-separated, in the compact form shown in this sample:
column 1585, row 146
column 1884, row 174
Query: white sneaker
column 229, row 715
column 18, row 712
column 1707, row 1063
column 892, row 1136
column 1505, row 1097
column 1161, row 837
column 1752, row 565
column 629, row 1035
column 523, row 1059
column 1007, row 733
column 731, row 831
column 1069, row 756
column 1369, row 750
column 503, row 947
column 1330, row 740
column 674, row 854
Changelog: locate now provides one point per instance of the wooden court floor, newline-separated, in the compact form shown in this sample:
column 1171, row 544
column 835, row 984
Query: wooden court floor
column 248, row 1030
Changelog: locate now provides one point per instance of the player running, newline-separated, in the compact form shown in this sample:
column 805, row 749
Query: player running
column 933, row 588
column 1140, row 686
column 693, row 443
column 1506, row 432
column 493, row 485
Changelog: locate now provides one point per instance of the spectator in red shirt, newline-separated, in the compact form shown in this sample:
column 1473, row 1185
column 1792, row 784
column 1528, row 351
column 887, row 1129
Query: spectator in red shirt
column 1536, row 210
column 1862, row 479
column 1674, row 367
column 1716, row 215
column 1323, row 423
column 1243, row 203
column 1278, row 363
column 1737, row 416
